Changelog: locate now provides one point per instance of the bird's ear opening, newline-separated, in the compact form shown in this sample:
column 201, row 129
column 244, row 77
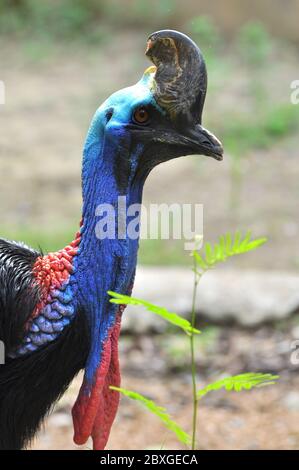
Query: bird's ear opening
column 117, row 145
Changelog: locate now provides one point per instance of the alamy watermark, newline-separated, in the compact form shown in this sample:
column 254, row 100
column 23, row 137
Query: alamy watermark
column 295, row 93
column 166, row 221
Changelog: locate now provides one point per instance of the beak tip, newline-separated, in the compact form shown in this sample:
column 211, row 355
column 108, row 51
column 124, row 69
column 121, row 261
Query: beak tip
column 219, row 155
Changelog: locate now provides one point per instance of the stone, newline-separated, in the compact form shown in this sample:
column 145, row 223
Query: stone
column 248, row 298
column 291, row 401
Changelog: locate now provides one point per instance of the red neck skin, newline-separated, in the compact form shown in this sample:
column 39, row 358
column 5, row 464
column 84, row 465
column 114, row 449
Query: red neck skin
column 53, row 270
column 95, row 409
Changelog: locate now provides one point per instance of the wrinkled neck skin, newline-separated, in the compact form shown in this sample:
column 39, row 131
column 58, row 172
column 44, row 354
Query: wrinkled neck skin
column 109, row 165
column 105, row 264
column 102, row 265
column 109, row 261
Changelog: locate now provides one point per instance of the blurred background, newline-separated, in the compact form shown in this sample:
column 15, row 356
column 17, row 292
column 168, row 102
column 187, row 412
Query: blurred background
column 59, row 60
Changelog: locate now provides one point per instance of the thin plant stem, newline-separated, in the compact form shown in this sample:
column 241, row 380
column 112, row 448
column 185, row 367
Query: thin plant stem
column 193, row 362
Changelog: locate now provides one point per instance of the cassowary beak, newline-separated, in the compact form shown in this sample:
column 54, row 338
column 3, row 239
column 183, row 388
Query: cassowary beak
column 203, row 142
column 179, row 88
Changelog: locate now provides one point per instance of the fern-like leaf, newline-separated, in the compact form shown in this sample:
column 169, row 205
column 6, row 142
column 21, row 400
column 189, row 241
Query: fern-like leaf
column 240, row 382
column 171, row 317
column 226, row 247
column 159, row 411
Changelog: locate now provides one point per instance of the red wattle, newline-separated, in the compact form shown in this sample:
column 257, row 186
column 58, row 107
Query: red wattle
column 96, row 408
column 53, row 270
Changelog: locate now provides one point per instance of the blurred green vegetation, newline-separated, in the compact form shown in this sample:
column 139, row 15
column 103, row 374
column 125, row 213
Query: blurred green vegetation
column 243, row 133
column 82, row 20
column 255, row 43
column 267, row 121
column 39, row 237
column 176, row 350
column 87, row 20
column 205, row 32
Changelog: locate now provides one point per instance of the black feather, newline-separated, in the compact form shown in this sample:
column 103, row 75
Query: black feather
column 19, row 294
column 31, row 384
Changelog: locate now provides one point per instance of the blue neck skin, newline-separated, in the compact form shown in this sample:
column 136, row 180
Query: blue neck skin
column 109, row 263
column 102, row 258
column 104, row 264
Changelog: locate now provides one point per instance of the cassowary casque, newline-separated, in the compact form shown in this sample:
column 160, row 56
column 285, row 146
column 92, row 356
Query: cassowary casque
column 55, row 314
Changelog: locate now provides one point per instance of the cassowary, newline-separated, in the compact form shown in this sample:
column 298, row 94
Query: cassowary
column 55, row 314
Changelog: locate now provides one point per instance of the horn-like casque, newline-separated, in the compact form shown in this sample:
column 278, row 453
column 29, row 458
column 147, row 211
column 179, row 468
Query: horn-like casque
column 180, row 81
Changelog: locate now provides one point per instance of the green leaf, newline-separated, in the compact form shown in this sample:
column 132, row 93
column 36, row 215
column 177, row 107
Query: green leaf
column 200, row 261
column 237, row 241
column 226, row 247
column 238, row 383
column 171, row 317
column 228, row 244
column 209, row 253
column 158, row 411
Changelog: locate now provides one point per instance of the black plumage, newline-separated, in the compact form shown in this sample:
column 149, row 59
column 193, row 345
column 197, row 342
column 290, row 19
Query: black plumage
column 19, row 294
column 30, row 384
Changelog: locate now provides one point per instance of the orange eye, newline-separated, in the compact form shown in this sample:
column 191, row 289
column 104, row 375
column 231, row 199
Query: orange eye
column 141, row 115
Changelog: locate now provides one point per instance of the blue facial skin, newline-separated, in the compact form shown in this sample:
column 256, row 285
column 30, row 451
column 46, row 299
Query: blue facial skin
column 107, row 264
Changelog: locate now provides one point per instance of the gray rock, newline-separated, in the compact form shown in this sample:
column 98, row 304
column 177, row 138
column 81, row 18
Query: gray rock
column 247, row 297
column 291, row 401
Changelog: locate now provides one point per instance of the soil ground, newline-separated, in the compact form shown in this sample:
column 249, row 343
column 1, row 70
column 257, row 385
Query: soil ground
column 156, row 366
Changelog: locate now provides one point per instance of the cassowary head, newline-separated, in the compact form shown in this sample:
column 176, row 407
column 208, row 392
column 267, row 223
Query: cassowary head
column 157, row 119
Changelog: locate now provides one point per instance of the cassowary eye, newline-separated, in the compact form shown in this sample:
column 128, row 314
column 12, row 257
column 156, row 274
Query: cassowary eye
column 141, row 115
